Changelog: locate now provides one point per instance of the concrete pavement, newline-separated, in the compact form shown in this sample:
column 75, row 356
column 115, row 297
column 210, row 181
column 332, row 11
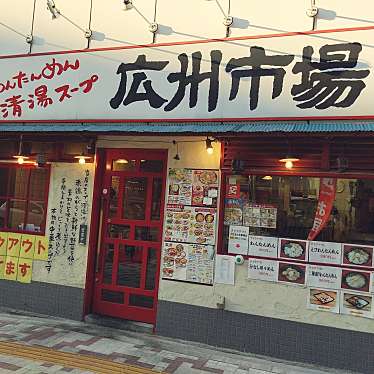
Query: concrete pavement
column 37, row 344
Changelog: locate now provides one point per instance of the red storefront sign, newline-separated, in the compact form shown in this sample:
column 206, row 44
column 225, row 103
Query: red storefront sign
column 327, row 191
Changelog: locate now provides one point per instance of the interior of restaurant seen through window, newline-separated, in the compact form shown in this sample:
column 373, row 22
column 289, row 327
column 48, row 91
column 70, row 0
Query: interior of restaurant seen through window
column 285, row 206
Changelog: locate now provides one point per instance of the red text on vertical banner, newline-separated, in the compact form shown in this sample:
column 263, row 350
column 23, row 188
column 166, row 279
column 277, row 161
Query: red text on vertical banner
column 327, row 191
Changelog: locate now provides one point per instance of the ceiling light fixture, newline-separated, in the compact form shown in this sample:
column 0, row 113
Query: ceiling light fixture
column 176, row 157
column 209, row 146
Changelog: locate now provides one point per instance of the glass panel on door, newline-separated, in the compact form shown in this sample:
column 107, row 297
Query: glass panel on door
column 129, row 266
column 134, row 198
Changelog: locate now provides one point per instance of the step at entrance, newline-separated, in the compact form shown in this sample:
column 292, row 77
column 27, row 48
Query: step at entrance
column 118, row 323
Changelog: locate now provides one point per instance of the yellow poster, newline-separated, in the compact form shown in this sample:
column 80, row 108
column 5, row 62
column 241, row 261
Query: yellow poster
column 14, row 244
column 41, row 248
column 2, row 266
column 3, row 243
column 24, row 270
column 10, row 271
column 27, row 246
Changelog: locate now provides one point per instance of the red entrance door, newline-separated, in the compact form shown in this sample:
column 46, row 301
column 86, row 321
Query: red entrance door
column 126, row 283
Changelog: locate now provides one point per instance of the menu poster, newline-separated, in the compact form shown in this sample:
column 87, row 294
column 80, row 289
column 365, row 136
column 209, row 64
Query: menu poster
column 356, row 280
column 325, row 252
column 324, row 300
column 180, row 186
column 225, row 270
column 357, row 255
column 205, row 187
column 233, row 212
column 292, row 273
column 263, row 246
column 200, row 263
column 190, row 224
column 264, row 270
column 202, row 225
column 177, row 223
column 174, row 261
column 188, row 262
column 324, row 277
column 356, row 304
column 293, row 249
column 260, row 215
column 238, row 240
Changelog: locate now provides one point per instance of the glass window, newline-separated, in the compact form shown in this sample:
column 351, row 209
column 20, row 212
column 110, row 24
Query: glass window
column 23, row 198
column 285, row 206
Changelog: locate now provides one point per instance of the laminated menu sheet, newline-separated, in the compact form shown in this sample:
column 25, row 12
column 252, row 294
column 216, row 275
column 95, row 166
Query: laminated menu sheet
column 188, row 262
column 190, row 224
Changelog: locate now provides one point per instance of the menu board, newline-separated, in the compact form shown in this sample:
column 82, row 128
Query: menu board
column 324, row 276
column 263, row 246
column 260, row 215
column 180, row 186
column 188, row 262
column 265, row 270
column 324, row 300
column 190, row 224
column 356, row 304
column 325, row 252
column 193, row 187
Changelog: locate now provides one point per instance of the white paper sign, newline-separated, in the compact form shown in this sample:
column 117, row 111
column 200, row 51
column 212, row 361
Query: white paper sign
column 264, row 270
column 324, row 277
column 225, row 270
column 238, row 240
column 323, row 300
column 263, row 246
column 325, row 252
column 356, row 304
column 105, row 84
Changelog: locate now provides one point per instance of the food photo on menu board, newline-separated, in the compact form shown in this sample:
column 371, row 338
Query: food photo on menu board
column 180, row 186
column 356, row 280
column 291, row 273
column 202, row 226
column 233, row 212
column 324, row 300
column 205, row 187
column 357, row 255
column 260, row 215
column 356, row 304
column 293, row 249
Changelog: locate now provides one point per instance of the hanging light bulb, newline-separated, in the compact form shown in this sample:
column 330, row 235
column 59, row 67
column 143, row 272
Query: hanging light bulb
column 209, row 146
column 82, row 158
column 20, row 157
column 267, row 178
column 289, row 161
